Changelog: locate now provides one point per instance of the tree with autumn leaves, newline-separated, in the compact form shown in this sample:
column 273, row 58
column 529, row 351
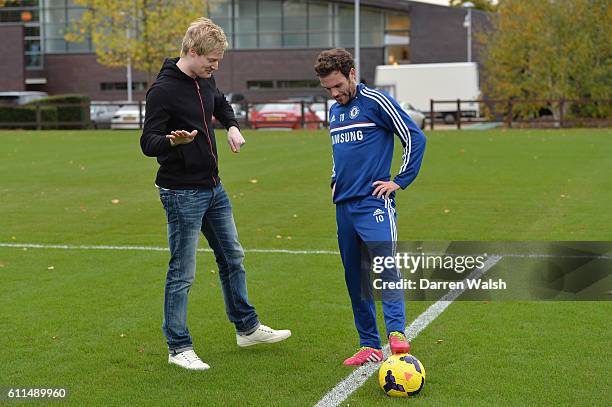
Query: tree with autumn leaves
column 485, row 5
column 550, row 49
column 145, row 31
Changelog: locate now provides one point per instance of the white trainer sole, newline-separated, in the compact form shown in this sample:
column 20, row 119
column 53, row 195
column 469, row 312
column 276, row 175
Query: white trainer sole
column 243, row 342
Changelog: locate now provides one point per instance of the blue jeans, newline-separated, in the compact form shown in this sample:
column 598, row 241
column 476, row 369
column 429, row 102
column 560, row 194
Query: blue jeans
column 209, row 211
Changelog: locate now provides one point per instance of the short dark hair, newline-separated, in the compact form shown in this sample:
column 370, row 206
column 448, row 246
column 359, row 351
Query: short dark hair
column 332, row 60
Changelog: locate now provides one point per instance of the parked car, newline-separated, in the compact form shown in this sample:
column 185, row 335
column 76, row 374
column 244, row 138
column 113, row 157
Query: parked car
column 20, row 98
column 239, row 114
column 127, row 117
column 417, row 116
column 320, row 109
column 283, row 115
column 234, row 97
column 307, row 98
column 101, row 113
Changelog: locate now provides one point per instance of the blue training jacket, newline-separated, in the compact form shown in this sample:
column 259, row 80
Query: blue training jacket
column 362, row 142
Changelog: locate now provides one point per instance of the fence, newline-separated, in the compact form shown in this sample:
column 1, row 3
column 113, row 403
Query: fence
column 521, row 113
column 308, row 115
column 130, row 115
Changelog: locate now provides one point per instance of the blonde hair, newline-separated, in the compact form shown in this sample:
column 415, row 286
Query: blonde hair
column 204, row 37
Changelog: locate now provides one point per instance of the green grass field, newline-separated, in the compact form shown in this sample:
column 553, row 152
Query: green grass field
column 90, row 320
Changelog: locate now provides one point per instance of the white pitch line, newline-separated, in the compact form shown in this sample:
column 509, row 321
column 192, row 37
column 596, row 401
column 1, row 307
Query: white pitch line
column 150, row 248
column 360, row 375
column 282, row 251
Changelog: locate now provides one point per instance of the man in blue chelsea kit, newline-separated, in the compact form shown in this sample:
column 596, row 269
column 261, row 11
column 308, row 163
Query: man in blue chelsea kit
column 362, row 127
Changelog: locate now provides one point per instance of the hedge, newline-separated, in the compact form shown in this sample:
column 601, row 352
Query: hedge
column 78, row 112
column 26, row 116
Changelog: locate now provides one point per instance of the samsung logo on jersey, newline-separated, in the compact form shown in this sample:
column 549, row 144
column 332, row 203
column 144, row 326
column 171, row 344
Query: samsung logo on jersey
column 347, row 137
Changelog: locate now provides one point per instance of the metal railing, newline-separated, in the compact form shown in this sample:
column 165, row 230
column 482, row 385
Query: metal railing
column 130, row 115
column 523, row 113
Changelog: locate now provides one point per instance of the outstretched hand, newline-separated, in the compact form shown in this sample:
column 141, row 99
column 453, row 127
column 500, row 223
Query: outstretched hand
column 181, row 137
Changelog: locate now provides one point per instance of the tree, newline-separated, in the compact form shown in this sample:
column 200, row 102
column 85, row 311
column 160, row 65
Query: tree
column 552, row 49
column 143, row 31
column 485, row 5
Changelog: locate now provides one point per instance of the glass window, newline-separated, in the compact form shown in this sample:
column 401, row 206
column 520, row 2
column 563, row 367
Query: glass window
column 398, row 22
column 345, row 27
column 245, row 12
column 220, row 12
column 32, row 31
column 55, row 15
column 320, row 24
column 260, row 84
column 397, row 39
column 55, row 30
column 295, row 23
column 398, row 54
column 55, row 3
column 55, row 46
column 307, row 83
column 19, row 11
column 33, row 60
column 371, row 28
column 270, row 24
column 75, row 14
column 83, row 46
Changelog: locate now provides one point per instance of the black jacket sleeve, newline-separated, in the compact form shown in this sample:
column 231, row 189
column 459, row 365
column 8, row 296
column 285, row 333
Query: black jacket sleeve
column 223, row 111
column 153, row 141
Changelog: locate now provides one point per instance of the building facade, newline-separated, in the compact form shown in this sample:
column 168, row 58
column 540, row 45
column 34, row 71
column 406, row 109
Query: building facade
column 273, row 44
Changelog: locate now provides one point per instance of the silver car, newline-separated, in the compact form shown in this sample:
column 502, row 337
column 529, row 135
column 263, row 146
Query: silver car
column 417, row 116
column 128, row 118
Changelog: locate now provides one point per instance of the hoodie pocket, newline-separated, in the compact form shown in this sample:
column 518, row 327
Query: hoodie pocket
column 174, row 156
column 195, row 160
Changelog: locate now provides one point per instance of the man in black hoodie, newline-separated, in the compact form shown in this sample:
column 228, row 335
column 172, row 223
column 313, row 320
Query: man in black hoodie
column 177, row 130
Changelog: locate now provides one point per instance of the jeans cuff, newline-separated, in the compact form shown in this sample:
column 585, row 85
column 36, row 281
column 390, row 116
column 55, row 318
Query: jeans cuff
column 249, row 331
column 176, row 351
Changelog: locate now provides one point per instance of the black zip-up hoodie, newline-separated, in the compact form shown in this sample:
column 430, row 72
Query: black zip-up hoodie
column 176, row 101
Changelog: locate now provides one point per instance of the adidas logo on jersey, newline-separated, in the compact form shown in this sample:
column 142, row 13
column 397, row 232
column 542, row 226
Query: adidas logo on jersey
column 378, row 212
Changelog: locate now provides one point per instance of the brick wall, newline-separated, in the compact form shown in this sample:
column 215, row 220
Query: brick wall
column 12, row 71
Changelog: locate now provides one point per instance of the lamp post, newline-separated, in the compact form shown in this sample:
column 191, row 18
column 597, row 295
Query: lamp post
column 467, row 23
column 129, row 67
column 128, row 71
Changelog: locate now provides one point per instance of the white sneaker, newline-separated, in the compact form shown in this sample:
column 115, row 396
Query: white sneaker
column 188, row 360
column 263, row 334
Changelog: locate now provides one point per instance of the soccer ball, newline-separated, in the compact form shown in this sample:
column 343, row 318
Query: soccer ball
column 401, row 375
